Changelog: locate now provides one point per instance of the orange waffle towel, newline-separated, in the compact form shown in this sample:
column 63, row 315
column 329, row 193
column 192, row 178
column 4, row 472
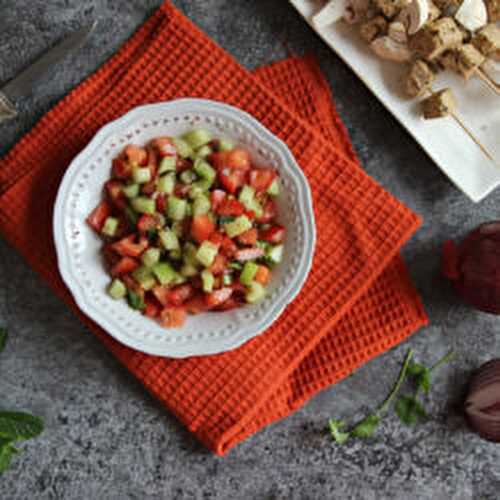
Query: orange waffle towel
column 358, row 300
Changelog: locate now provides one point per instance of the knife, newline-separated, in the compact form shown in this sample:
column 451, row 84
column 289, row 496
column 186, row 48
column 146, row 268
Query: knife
column 22, row 85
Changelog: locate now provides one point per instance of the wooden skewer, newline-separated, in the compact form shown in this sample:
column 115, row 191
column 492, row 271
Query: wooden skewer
column 488, row 81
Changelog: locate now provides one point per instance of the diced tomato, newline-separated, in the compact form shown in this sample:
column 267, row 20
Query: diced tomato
column 230, row 207
column 218, row 297
column 180, row 294
column 123, row 227
column 115, row 194
column 196, row 304
column 228, row 247
column 239, row 290
column 125, row 265
column 131, row 284
column 216, row 198
column 98, row 216
column 161, row 203
column 135, row 155
column 248, row 254
column 129, row 248
column 217, row 282
column 181, row 190
column 230, row 303
column 217, row 238
column 152, row 309
column 270, row 211
column 110, row 256
column 275, row 234
column 161, row 294
column 219, row 265
column 164, row 146
column 148, row 188
column 232, row 178
column 183, row 164
column 263, row 275
column 121, row 168
column 152, row 158
column 261, row 178
column 202, row 227
column 248, row 238
column 146, row 223
column 238, row 158
column 173, row 316
column 250, row 214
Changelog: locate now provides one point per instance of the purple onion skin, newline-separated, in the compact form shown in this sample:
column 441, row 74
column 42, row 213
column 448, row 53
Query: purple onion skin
column 474, row 267
column 482, row 405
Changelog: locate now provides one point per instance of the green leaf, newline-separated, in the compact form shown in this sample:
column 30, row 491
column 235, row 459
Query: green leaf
column 135, row 301
column 409, row 410
column 421, row 375
column 3, row 338
column 339, row 436
column 18, row 426
column 7, row 451
column 366, row 427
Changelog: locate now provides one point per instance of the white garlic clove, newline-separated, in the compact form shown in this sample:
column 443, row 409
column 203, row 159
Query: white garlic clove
column 397, row 32
column 472, row 14
column 414, row 16
column 387, row 48
column 330, row 13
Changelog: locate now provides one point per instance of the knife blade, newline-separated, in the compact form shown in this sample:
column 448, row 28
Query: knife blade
column 22, row 84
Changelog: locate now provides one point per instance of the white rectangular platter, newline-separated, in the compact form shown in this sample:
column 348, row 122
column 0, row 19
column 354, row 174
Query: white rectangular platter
column 444, row 141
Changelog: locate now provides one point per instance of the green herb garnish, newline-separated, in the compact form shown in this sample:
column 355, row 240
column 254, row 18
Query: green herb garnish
column 15, row 426
column 135, row 301
column 408, row 408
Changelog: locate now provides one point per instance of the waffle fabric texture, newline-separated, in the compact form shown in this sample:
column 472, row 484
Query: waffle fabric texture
column 358, row 300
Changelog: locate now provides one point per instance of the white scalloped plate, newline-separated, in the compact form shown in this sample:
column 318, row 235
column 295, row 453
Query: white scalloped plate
column 444, row 141
column 78, row 247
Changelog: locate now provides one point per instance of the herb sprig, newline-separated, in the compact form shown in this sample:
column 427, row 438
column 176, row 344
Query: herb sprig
column 408, row 408
column 15, row 426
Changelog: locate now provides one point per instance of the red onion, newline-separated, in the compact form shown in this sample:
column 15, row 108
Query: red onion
column 474, row 267
column 482, row 405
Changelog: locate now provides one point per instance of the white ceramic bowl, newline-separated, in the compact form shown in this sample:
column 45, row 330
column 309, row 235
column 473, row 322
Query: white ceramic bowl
column 78, row 248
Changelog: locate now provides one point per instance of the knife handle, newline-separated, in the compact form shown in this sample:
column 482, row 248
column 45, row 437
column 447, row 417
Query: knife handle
column 7, row 109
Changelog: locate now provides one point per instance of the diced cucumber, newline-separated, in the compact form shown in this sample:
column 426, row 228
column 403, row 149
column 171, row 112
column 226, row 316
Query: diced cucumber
column 206, row 253
column 248, row 274
column 117, row 289
column 175, row 254
column 204, row 151
column 167, row 164
column 275, row 254
column 143, row 205
column 110, row 226
column 164, row 272
column 255, row 293
column 176, row 208
column 225, row 145
column 188, row 270
column 131, row 191
column 203, row 184
column 178, row 228
column 166, row 183
column 197, row 138
column 204, row 170
column 196, row 191
column 179, row 279
column 201, row 205
column 263, row 244
column 168, row 239
column 184, row 150
column 257, row 208
column 227, row 279
column 144, row 277
column 236, row 265
column 247, row 196
column 141, row 175
column 208, row 281
column 274, row 188
column 188, row 177
column 131, row 216
column 151, row 257
column 238, row 226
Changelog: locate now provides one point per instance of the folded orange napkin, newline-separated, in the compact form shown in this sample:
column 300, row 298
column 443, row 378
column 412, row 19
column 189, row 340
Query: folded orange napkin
column 358, row 300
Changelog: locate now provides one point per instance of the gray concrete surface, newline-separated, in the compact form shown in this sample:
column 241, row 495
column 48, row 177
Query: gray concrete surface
column 107, row 439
